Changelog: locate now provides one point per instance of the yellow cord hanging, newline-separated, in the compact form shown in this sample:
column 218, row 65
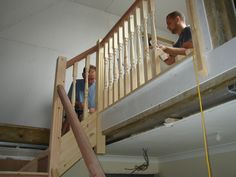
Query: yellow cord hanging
column 202, row 120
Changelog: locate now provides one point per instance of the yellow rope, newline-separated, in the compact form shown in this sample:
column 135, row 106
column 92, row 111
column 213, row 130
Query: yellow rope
column 203, row 120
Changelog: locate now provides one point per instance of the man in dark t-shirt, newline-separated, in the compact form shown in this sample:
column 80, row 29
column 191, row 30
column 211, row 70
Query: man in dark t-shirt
column 176, row 24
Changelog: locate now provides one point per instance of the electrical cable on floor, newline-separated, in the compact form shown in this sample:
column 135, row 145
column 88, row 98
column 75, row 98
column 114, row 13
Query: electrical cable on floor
column 202, row 119
column 142, row 167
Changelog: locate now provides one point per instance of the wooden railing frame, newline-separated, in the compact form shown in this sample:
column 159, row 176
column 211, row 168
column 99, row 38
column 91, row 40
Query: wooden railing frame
column 109, row 88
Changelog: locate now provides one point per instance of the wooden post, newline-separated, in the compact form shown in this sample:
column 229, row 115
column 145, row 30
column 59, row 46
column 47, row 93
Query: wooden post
column 147, row 60
column 87, row 152
column 132, row 57
column 105, row 101
column 139, row 47
column 74, row 76
column 121, row 67
column 126, row 59
column 99, row 78
column 55, row 134
column 100, row 139
column 110, row 57
column 198, row 44
column 155, row 58
column 86, row 89
column 115, row 82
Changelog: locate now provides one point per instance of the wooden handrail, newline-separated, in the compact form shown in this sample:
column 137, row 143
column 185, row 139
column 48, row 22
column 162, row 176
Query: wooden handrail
column 119, row 23
column 81, row 56
column 86, row 150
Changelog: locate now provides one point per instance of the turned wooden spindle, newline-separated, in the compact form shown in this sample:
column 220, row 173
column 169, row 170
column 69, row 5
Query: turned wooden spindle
column 116, row 72
column 147, row 60
column 105, row 75
column 121, row 66
column 126, row 58
column 140, row 66
column 110, row 58
column 155, row 58
column 74, row 76
column 132, row 56
column 87, row 65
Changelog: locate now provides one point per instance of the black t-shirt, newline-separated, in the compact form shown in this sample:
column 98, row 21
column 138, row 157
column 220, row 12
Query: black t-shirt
column 184, row 36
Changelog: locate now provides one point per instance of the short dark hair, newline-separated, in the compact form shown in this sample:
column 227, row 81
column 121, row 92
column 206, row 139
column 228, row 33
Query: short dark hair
column 176, row 14
column 90, row 67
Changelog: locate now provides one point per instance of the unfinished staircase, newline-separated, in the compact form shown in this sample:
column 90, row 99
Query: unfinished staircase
column 126, row 66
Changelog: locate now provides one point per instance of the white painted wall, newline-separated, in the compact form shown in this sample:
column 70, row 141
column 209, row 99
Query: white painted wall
column 222, row 164
column 114, row 165
column 28, row 51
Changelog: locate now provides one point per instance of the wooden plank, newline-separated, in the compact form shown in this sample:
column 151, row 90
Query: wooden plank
column 55, row 136
column 23, row 174
column 32, row 166
column 82, row 140
column 24, row 134
column 12, row 164
column 70, row 152
column 197, row 38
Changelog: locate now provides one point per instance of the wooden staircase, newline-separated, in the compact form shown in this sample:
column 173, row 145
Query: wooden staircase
column 115, row 80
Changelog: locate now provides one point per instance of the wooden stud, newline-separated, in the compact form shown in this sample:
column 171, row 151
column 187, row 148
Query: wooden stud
column 55, row 136
column 197, row 38
column 32, row 166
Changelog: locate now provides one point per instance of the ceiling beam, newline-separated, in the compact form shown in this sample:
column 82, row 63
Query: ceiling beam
column 24, row 134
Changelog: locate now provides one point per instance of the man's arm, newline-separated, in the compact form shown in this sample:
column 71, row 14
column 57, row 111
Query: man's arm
column 177, row 51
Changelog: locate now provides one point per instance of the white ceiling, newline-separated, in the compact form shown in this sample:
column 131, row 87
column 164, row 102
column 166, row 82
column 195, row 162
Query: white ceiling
column 118, row 7
column 184, row 135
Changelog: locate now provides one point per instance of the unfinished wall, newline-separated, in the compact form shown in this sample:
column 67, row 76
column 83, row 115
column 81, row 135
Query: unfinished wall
column 29, row 47
column 113, row 164
column 222, row 165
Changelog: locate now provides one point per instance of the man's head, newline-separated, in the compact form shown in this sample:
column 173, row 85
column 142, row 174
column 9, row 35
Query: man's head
column 91, row 74
column 175, row 22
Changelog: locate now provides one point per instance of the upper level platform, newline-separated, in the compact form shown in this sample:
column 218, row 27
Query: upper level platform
column 173, row 94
